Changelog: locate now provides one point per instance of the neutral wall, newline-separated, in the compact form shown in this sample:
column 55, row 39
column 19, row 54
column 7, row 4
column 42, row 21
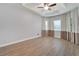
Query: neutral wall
column 17, row 23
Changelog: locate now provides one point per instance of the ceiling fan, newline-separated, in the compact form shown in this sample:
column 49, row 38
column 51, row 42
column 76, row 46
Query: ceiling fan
column 47, row 6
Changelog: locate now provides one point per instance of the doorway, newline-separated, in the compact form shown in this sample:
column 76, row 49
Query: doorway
column 57, row 28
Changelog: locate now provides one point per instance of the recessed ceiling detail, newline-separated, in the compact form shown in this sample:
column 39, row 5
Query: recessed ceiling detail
column 50, row 9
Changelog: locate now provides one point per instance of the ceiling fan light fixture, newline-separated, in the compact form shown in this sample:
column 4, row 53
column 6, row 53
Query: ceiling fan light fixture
column 46, row 7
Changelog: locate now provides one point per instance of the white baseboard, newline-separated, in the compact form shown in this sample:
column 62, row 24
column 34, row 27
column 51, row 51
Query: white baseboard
column 10, row 43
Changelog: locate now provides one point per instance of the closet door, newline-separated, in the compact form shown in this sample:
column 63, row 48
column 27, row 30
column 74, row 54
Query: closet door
column 74, row 17
column 63, row 27
column 76, row 25
column 72, row 26
column 68, row 26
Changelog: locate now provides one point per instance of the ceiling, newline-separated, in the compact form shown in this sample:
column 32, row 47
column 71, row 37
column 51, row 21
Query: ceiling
column 60, row 8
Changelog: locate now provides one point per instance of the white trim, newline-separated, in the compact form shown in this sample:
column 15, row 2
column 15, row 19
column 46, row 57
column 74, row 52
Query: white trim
column 10, row 43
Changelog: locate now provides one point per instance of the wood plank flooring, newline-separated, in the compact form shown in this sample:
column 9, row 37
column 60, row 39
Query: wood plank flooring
column 44, row 46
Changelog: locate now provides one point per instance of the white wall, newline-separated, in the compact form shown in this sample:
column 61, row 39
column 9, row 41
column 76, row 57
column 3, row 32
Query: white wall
column 17, row 23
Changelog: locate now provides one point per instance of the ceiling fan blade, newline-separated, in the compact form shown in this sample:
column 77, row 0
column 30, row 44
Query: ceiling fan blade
column 52, row 5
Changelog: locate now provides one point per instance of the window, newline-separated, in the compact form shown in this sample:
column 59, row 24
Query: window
column 57, row 25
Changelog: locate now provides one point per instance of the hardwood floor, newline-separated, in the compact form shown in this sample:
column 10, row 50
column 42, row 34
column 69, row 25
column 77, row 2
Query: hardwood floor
column 44, row 46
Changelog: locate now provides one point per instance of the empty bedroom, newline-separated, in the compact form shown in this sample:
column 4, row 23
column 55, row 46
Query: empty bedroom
column 39, row 29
